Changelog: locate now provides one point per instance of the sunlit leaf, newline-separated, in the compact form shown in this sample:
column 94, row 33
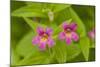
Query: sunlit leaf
column 59, row 7
column 25, row 46
column 28, row 11
column 40, row 58
column 60, row 52
column 64, row 52
column 73, row 50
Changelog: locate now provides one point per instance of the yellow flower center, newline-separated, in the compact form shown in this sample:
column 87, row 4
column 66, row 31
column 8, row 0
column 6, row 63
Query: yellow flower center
column 68, row 33
column 44, row 38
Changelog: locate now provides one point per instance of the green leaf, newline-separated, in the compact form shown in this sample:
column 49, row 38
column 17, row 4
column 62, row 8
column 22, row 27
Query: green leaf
column 29, row 11
column 59, row 7
column 64, row 52
column 53, row 7
column 16, row 5
column 14, row 57
column 73, row 50
column 40, row 58
column 76, row 18
column 25, row 46
column 92, row 45
column 32, row 24
column 60, row 52
column 69, row 21
column 62, row 16
column 17, row 31
column 85, row 45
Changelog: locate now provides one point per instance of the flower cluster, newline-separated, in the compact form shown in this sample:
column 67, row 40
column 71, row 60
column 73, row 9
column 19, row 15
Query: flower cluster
column 68, row 33
column 44, row 36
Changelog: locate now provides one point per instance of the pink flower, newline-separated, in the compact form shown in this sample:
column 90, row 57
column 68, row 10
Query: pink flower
column 43, row 38
column 69, row 33
column 91, row 34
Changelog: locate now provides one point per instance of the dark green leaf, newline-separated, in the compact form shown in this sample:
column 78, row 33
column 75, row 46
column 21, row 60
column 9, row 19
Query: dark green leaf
column 76, row 18
column 92, row 45
column 33, row 24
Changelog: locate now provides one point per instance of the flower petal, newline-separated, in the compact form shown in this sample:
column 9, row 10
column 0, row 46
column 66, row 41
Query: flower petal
column 91, row 34
column 73, row 26
column 74, row 36
column 65, row 25
column 50, row 42
column 93, row 30
column 62, row 36
column 49, row 31
column 68, row 40
column 36, row 40
column 40, row 31
column 42, row 45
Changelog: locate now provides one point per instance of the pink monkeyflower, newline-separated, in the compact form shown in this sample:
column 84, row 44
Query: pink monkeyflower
column 43, row 38
column 91, row 34
column 69, row 33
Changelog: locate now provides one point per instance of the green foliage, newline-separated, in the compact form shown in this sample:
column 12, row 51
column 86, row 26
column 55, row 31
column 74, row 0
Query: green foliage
column 31, row 53
column 73, row 51
column 60, row 7
column 14, row 57
column 64, row 52
column 27, row 11
column 35, row 59
column 33, row 24
column 60, row 52
column 25, row 43
column 24, row 29
column 85, row 45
